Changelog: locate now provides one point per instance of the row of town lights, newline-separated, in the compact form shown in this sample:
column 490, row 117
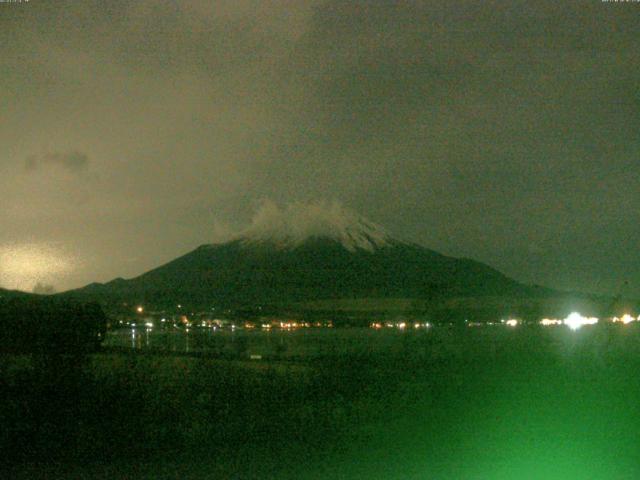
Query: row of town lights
column 573, row 321
column 576, row 320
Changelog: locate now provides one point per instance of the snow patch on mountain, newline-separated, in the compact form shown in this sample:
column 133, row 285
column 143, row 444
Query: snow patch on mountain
column 291, row 226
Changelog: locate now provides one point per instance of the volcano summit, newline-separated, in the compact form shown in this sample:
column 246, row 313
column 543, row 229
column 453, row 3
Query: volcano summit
column 306, row 254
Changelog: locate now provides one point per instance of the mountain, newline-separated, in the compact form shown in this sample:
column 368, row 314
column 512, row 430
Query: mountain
column 301, row 257
column 241, row 272
column 11, row 294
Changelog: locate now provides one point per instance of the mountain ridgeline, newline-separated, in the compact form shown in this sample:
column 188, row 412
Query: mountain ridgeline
column 265, row 271
column 6, row 295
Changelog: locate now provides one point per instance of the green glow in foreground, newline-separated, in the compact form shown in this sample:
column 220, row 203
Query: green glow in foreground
column 546, row 413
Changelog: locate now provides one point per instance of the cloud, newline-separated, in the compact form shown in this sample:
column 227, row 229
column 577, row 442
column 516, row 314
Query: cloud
column 297, row 222
column 73, row 161
column 44, row 289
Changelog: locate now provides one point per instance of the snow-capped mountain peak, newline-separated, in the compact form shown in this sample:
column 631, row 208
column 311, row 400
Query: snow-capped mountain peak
column 291, row 226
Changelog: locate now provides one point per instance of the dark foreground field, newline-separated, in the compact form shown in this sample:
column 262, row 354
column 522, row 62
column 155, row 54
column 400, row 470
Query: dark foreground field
column 467, row 403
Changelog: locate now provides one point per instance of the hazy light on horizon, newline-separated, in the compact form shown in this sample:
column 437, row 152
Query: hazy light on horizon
column 22, row 266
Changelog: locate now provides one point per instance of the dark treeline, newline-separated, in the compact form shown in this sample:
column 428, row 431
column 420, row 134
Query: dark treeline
column 50, row 324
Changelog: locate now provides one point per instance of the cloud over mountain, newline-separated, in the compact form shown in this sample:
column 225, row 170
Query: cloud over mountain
column 292, row 225
column 73, row 161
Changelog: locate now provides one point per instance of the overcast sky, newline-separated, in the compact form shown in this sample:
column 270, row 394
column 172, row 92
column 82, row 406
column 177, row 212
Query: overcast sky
column 133, row 131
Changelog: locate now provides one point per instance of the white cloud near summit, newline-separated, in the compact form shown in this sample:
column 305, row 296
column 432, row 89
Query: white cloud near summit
column 297, row 222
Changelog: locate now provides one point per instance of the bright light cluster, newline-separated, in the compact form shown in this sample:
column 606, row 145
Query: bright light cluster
column 512, row 322
column 550, row 321
column 626, row 318
column 399, row 325
column 575, row 321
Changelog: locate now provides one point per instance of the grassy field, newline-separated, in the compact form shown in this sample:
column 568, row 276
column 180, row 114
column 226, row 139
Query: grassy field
column 464, row 403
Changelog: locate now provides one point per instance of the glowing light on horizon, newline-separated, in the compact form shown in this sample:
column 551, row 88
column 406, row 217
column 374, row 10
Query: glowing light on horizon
column 626, row 318
column 512, row 322
column 574, row 321
column 22, row 266
column 550, row 321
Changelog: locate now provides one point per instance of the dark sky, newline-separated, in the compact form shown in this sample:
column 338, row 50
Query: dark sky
column 133, row 131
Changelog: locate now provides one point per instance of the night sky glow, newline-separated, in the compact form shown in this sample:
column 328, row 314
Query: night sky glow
column 132, row 132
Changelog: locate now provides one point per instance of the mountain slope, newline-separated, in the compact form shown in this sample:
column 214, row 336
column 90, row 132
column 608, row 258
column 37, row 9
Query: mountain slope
column 245, row 272
column 309, row 253
column 11, row 294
